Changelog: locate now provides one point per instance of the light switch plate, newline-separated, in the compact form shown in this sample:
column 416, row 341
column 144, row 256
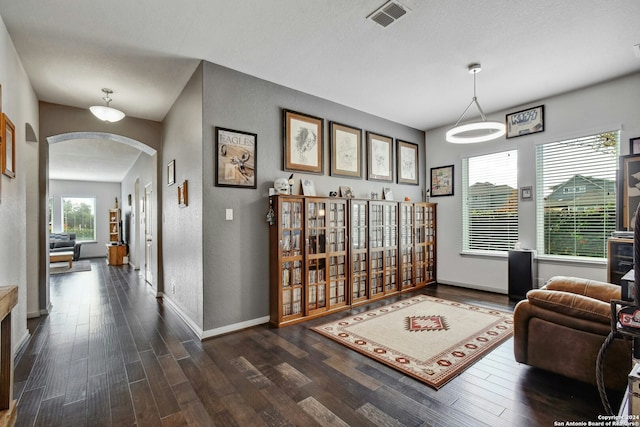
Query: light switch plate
column 229, row 215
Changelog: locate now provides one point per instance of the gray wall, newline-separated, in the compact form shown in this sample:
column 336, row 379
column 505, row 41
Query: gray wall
column 235, row 257
column 183, row 227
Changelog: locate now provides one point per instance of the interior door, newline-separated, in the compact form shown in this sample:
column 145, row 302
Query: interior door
column 148, row 234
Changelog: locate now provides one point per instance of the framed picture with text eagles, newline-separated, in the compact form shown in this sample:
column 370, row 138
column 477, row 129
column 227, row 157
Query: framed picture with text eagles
column 236, row 162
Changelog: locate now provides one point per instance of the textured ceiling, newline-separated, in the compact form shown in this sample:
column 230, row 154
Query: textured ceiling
column 413, row 72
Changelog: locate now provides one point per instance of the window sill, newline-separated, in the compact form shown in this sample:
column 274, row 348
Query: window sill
column 547, row 259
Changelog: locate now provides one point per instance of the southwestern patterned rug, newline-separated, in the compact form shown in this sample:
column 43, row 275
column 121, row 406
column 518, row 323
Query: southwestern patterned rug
column 430, row 339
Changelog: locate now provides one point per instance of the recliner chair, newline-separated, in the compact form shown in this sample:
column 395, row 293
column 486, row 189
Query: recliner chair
column 561, row 327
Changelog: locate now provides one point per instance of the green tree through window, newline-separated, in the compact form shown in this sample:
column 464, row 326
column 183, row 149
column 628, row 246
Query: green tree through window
column 78, row 215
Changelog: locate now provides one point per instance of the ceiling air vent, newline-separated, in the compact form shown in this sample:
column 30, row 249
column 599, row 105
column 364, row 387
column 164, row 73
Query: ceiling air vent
column 388, row 13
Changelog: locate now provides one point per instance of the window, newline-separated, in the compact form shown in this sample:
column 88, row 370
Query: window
column 79, row 216
column 490, row 202
column 576, row 195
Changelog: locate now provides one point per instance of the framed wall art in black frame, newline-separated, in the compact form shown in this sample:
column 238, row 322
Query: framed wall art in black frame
column 236, row 163
column 442, row 181
column 628, row 191
column 525, row 122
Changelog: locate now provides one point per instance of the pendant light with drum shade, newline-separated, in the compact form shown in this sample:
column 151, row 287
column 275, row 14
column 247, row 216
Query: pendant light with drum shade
column 479, row 131
column 106, row 113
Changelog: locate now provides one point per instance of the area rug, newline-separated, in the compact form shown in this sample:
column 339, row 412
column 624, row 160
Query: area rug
column 430, row 339
column 63, row 267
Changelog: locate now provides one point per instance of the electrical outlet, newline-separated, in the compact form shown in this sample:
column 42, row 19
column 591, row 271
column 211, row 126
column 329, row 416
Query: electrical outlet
column 229, row 215
column 173, row 289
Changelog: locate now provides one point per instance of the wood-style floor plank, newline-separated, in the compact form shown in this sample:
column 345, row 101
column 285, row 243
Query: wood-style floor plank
column 111, row 354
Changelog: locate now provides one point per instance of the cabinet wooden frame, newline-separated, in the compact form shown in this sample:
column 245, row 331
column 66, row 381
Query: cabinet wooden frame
column 329, row 254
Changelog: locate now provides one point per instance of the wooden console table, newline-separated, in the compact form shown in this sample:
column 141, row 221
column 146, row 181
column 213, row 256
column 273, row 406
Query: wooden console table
column 8, row 412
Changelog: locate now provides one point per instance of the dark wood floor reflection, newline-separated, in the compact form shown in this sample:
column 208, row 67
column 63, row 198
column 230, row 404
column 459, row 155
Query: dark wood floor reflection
column 110, row 353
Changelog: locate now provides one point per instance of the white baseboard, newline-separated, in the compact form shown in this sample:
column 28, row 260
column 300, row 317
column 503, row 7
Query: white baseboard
column 210, row 333
column 20, row 343
column 476, row 287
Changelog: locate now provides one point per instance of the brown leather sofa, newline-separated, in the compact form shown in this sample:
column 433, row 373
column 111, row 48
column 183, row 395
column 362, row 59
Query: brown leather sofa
column 561, row 327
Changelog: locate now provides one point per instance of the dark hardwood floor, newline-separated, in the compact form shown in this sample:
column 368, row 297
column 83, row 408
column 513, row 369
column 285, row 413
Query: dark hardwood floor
column 110, row 353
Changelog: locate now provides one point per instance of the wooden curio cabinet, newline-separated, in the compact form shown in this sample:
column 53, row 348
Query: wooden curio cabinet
column 383, row 248
column 406, row 248
column 425, row 243
column 358, row 250
column 329, row 254
column 286, row 259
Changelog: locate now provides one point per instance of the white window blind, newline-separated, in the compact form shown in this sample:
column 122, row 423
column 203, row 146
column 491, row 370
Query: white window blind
column 576, row 195
column 490, row 201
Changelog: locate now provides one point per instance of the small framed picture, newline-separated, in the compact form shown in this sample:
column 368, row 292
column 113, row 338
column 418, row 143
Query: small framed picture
column 236, row 158
column 526, row 193
column 308, row 188
column 303, row 138
column 442, row 181
column 8, row 147
column 346, row 151
column 346, row 192
column 634, row 145
column 171, row 173
column 525, row 122
column 387, row 193
column 407, row 163
column 379, row 157
column 183, row 195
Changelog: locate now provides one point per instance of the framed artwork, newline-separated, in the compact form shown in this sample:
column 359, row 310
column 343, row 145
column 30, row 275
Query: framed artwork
column 346, row 192
column 171, row 173
column 387, row 193
column 346, row 151
column 407, row 163
column 303, row 140
column 442, row 181
column 8, row 147
column 526, row 193
column 379, row 157
column 628, row 191
column 308, row 188
column 236, row 158
column 525, row 122
column 183, row 194
column 634, row 145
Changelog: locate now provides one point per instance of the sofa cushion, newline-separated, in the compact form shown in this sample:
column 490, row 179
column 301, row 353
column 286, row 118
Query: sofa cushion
column 589, row 288
column 571, row 304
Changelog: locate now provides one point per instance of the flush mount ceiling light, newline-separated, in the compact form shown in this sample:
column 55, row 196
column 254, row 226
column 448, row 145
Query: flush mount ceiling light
column 106, row 113
column 476, row 131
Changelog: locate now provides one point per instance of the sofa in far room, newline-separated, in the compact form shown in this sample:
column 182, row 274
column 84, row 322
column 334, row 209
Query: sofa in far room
column 65, row 242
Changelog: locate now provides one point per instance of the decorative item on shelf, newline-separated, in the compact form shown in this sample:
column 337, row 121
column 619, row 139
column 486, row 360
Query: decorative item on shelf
column 333, row 194
column 374, row 196
column 281, row 185
column 271, row 215
column 106, row 113
column 525, row 122
column 407, row 199
column 480, row 131
column 346, row 192
column 308, row 188
column 291, row 182
column 388, row 194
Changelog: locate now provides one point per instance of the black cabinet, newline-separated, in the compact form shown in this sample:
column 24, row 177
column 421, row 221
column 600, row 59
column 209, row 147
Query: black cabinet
column 522, row 273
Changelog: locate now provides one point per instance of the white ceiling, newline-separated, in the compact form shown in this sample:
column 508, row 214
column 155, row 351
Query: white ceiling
column 413, row 72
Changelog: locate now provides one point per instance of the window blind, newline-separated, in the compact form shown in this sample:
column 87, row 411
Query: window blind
column 576, row 195
column 490, row 201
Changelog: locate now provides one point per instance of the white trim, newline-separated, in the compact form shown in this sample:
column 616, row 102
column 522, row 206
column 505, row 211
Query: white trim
column 21, row 343
column 476, row 287
column 210, row 333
